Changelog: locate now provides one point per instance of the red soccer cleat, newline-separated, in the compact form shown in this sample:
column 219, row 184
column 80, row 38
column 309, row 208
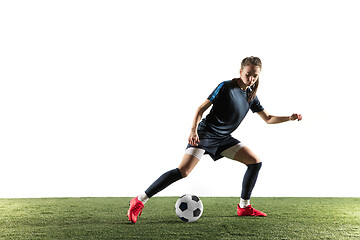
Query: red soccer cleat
column 135, row 209
column 249, row 211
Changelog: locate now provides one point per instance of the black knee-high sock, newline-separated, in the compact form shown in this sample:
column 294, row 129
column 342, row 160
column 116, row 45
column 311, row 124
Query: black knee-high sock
column 249, row 181
column 163, row 181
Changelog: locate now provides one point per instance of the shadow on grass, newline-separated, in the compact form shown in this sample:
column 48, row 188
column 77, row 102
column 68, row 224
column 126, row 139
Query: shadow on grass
column 152, row 221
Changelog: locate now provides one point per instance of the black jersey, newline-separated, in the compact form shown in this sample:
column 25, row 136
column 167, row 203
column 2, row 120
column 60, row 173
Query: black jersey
column 230, row 107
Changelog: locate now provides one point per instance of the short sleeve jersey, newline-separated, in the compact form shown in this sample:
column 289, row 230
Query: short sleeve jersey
column 230, row 107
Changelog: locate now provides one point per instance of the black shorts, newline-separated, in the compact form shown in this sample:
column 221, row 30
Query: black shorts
column 214, row 144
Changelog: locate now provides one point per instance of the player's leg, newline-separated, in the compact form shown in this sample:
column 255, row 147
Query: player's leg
column 253, row 163
column 244, row 155
column 189, row 161
column 241, row 153
column 187, row 164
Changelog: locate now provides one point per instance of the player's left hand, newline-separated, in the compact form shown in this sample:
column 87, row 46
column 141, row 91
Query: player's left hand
column 296, row 116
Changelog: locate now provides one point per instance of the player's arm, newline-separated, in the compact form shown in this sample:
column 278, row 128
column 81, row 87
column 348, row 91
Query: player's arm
column 270, row 119
column 194, row 138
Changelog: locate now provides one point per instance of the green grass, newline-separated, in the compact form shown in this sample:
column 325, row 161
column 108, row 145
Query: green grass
column 105, row 218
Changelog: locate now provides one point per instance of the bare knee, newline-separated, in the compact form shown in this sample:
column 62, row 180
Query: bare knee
column 246, row 156
column 184, row 172
column 254, row 159
column 187, row 164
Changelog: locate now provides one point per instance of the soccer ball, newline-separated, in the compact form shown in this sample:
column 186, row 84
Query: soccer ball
column 189, row 208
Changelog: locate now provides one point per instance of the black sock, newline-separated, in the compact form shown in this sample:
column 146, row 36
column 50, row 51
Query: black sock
column 249, row 181
column 163, row 181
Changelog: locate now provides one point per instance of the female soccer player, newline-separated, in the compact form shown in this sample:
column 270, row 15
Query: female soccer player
column 231, row 101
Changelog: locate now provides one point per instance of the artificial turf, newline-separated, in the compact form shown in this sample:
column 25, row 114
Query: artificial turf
column 105, row 218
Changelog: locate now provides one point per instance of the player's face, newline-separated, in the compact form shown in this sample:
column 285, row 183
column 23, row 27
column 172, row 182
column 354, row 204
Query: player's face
column 250, row 74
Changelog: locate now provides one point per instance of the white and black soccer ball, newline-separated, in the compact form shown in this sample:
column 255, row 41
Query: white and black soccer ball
column 189, row 208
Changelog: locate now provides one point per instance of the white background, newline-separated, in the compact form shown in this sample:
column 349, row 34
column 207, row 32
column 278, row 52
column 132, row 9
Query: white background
column 97, row 97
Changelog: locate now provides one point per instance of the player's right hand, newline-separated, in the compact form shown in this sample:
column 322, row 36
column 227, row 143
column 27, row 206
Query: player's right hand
column 194, row 139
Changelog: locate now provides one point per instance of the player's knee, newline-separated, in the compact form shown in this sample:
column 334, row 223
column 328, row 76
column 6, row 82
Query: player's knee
column 254, row 160
column 184, row 172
